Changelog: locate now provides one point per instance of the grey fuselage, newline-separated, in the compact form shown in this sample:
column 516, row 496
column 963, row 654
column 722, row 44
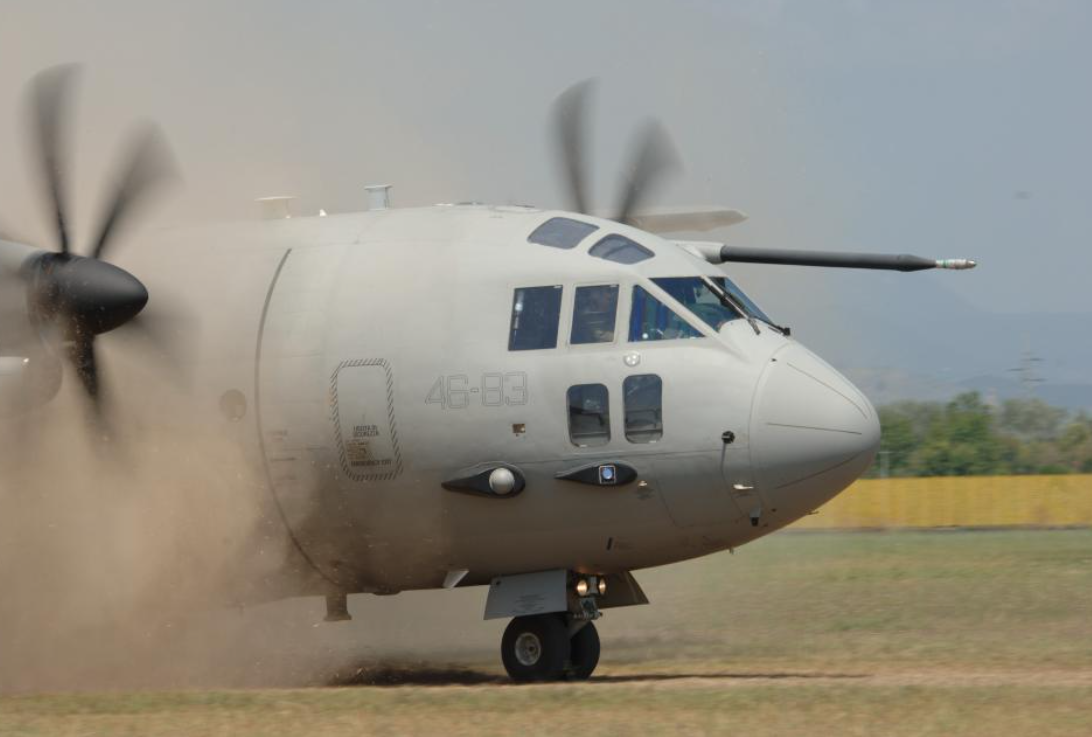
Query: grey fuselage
column 370, row 354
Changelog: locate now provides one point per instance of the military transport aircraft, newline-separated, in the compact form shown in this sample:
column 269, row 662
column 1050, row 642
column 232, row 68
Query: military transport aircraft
column 536, row 401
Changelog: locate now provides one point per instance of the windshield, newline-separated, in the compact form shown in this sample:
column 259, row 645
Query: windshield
column 734, row 291
column 706, row 304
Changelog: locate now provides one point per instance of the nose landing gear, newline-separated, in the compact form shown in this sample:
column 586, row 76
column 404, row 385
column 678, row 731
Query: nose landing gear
column 552, row 636
column 550, row 647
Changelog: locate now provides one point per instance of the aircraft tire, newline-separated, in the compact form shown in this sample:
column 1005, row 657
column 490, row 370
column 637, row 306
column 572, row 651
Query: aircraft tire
column 583, row 653
column 535, row 648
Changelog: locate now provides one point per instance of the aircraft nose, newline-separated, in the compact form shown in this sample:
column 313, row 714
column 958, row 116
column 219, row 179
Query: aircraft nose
column 812, row 432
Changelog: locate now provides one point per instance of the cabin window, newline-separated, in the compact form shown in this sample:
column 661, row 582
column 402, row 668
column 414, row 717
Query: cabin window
column 643, row 395
column 594, row 312
column 706, row 305
column 535, row 312
column 589, row 415
column 620, row 249
column 650, row 319
column 561, row 233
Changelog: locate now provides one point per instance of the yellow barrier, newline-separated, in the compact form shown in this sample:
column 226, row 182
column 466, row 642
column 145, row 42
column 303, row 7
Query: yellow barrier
column 959, row 501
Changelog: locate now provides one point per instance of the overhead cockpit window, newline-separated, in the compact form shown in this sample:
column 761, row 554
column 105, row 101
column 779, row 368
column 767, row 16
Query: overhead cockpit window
column 535, row 312
column 693, row 292
column 651, row 319
column 620, row 249
column 643, row 401
column 594, row 311
column 589, row 415
column 561, row 233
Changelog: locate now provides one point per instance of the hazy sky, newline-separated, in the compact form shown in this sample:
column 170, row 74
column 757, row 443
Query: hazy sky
column 938, row 128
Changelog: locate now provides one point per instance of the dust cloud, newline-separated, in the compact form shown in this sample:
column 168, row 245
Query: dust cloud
column 111, row 550
column 155, row 560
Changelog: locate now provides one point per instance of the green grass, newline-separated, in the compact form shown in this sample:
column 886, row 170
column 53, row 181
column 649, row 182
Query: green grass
column 923, row 633
column 878, row 599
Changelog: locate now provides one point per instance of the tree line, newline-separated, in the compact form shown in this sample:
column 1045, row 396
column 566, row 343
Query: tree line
column 968, row 436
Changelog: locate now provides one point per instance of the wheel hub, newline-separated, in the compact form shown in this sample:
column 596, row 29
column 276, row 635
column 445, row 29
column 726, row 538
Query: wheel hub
column 528, row 649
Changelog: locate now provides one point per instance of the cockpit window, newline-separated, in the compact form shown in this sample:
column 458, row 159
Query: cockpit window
column 561, row 233
column 594, row 309
column 620, row 249
column 693, row 292
column 651, row 319
column 734, row 291
column 535, row 313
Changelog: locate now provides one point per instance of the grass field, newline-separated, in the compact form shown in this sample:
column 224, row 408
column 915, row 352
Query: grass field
column 913, row 633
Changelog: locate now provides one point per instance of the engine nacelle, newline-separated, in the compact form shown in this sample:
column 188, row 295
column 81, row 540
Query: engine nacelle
column 27, row 382
column 30, row 368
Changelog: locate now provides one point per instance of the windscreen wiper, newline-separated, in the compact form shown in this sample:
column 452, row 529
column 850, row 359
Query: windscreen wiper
column 729, row 300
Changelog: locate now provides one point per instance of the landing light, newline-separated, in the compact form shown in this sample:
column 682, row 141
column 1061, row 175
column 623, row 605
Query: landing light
column 590, row 585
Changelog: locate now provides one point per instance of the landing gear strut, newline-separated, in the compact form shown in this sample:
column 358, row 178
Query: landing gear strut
column 548, row 647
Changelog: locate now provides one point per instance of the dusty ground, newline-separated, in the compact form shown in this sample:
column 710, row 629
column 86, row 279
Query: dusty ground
column 820, row 633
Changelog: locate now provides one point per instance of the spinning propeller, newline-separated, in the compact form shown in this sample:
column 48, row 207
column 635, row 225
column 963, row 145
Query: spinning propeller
column 652, row 156
column 72, row 299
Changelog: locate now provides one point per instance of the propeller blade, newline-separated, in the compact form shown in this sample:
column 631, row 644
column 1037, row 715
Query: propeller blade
column 147, row 165
column 82, row 356
column 168, row 335
column 570, row 120
column 654, row 158
column 50, row 92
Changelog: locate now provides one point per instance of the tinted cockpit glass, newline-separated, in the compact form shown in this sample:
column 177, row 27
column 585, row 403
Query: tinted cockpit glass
column 693, row 292
column 621, row 250
column 535, row 312
column 561, row 233
column 651, row 319
column 730, row 287
column 594, row 310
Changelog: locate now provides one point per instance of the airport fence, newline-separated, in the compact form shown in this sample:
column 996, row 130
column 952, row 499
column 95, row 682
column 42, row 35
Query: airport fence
column 959, row 501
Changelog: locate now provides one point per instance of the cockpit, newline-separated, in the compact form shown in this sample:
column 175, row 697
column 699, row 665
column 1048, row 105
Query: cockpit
column 536, row 310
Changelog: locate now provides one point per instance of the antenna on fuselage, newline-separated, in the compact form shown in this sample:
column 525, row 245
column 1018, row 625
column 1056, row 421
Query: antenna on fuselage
column 276, row 208
column 379, row 196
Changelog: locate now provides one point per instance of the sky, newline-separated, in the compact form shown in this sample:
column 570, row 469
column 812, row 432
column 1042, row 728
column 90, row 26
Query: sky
column 937, row 128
